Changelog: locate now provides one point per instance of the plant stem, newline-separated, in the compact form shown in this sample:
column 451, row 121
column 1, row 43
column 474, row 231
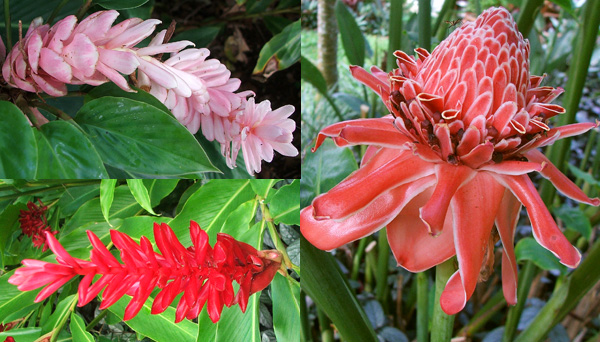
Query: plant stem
column 395, row 42
column 442, row 16
column 55, row 11
column 422, row 306
column 527, row 15
column 362, row 244
column 383, row 255
column 8, row 25
column 325, row 326
column 63, row 321
column 275, row 238
column 586, row 155
column 83, row 9
column 443, row 323
column 96, row 320
column 514, row 313
column 304, row 318
column 482, row 316
column 424, row 17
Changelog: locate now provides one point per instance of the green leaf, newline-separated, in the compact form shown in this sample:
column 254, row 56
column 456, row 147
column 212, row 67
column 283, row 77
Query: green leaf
column 574, row 219
column 138, row 226
column 262, row 186
column 75, row 197
column 77, row 242
column 159, row 189
column 285, row 206
column 161, row 327
column 280, row 52
column 238, row 221
column 213, row 150
column 120, row 4
column 324, row 169
column 588, row 178
column 13, row 300
column 210, row 206
column 140, row 138
column 285, row 294
column 8, row 221
column 201, row 36
column 22, row 334
column 529, row 249
column 111, row 89
column 78, row 329
column 60, row 314
column 18, row 148
column 276, row 24
column 107, row 194
column 324, row 283
column 65, row 152
column 139, row 191
column 310, row 73
column 353, row 40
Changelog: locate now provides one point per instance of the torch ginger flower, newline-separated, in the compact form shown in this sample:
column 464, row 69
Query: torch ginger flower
column 452, row 159
column 204, row 274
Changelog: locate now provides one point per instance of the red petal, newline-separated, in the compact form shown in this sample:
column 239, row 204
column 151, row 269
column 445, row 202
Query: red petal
column 362, row 131
column 506, row 222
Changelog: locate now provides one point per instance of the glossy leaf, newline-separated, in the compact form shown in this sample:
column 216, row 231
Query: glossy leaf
column 574, row 219
column 139, row 191
column 159, row 189
column 60, row 314
column 310, row 73
column 71, row 200
column 262, row 186
column 13, row 300
column 324, row 169
column 107, row 194
column 65, row 152
column 78, row 329
column 353, row 40
column 529, row 249
column 285, row 205
column 140, row 138
column 18, row 148
column 111, row 89
column 22, row 334
column 120, row 4
column 280, row 52
column 285, row 294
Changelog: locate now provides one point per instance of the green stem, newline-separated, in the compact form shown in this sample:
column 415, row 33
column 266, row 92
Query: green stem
column 338, row 114
column 275, row 238
column 83, row 9
column 438, row 30
column 325, row 326
column 424, row 17
column 422, row 306
column 62, row 322
column 56, row 10
column 442, row 323
column 527, row 15
column 483, row 315
column 514, row 313
column 395, row 42
column 304, row 318
column 50, row 188
column 8, row 25
column 584, row 47
column 362, row 244
column 383, row 255
column 586, row 155
column 96, row 320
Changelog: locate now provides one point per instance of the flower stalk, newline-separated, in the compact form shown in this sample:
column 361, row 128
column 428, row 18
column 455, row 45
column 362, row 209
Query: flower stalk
column 442, row 323
column 422, row 307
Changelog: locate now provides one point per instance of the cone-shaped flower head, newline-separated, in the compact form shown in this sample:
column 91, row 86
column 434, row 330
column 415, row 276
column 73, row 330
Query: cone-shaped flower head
column 204, row 274
column 452, row 159
column 35, row 225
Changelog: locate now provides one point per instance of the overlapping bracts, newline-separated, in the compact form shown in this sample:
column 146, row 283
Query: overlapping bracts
column 204, row 274
column 35, row 225
column 451, row 160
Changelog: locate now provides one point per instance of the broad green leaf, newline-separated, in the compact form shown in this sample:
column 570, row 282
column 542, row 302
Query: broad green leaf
column 77, row 240
column 529, row 249
column 310, row 73
column 18, row 148
column 201, row 36
column 238, row 222
column 75, row 197
column 22, row 334
column 111, row 89
column 324, row 169
column 262, row 186
column 13, row 300
column 583, row 175
column 324, row 283
column 213, row 151
column 159, row 189
column 353, row 40
column 8, row 221
column 574, row 219
column 137, row 137
column 120, row 4
column 285, row 205
column 65, row 152
column 161, row 327
column 138, row 226
column 285, row 294
column 139, row 191
column 107, row 194
column 280, row 52
column 210, row 206
column 78, row 329
column 60, row 314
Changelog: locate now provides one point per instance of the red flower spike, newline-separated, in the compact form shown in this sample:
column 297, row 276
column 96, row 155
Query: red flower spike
column 34, row 224
column 451, row 160
column 204, row 274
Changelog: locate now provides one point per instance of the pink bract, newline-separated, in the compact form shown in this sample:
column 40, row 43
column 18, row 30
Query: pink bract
column 451, row 161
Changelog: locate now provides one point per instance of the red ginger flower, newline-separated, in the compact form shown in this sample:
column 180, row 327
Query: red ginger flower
column 452, row 159
column 204, row 274
column 34, row 224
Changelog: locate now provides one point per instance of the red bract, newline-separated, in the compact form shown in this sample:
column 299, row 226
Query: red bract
column 451, row 159
column 204, row 274
column 34, row 224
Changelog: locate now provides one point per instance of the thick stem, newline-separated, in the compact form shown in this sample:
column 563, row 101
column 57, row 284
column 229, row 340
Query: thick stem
column 424, row 17
column 443, row 323
column 360, row 251
column 325, row 326
column 527, row 15
column 514, row 313
column 327, row 41
column 383, row 255
column 8, row 25
column 96, row 320
column 422, row 306
column 395, row 42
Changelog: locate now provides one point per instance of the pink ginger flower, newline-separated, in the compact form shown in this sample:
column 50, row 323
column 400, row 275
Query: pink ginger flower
column 452, row 159
column 204, row 274
column 35, row 225
column 91, row 52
